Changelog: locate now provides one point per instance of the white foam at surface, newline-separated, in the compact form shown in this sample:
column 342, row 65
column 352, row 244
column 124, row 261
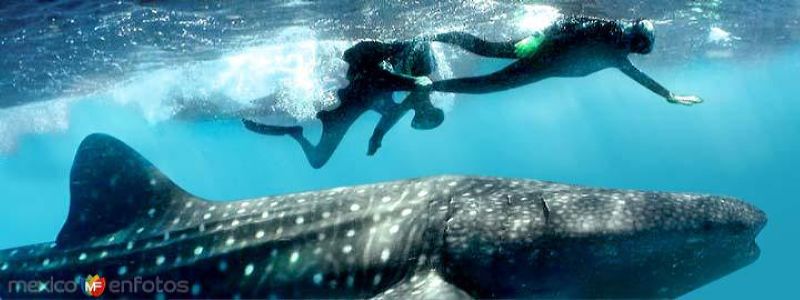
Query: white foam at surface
column 285, row 80
column 32, row 118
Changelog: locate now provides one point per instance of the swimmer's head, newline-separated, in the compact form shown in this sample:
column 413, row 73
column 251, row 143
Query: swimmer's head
column 639, row 36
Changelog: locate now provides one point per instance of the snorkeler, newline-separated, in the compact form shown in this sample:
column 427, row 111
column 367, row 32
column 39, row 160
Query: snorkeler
column 571, row 47
column 375, row 71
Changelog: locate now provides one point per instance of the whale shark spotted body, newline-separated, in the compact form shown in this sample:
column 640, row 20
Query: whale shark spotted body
column 443, row 237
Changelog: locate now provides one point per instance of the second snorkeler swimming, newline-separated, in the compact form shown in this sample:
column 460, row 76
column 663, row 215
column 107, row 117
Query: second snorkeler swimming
column 570, row 47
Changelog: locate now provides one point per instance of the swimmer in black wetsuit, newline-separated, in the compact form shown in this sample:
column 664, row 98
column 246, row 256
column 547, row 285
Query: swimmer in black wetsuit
column 375, row 71
column 571, row 47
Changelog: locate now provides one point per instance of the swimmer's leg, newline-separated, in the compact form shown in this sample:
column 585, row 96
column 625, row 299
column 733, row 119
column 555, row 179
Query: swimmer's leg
column 426, row 116
column 389, row 117
column 335, row 124
column 519, row 73
column 477, row 45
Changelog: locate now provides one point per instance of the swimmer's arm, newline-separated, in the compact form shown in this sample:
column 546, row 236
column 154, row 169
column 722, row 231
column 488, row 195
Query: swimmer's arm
column 634, row 73
column 404, row 82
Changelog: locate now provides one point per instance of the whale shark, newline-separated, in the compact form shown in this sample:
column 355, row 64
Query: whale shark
column 442, row 237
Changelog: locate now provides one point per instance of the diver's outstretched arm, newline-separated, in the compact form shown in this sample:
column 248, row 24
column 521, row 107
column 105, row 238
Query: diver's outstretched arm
column 634, row 73
column 477, row 45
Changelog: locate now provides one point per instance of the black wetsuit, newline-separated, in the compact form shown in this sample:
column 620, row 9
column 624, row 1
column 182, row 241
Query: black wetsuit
column 376, row 70
column 572, row 47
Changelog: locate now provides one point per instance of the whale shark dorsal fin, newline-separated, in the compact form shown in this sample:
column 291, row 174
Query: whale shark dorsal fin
column 112, row 187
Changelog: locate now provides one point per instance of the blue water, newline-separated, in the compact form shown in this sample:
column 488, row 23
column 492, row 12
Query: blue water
column 602, row 130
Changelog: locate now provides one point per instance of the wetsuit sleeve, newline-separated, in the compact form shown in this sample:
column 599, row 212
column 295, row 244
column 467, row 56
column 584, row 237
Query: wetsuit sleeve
column 477, row 45
column 634, row 73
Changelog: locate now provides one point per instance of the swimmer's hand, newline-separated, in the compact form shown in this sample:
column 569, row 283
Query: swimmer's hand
column 684, row 100
column 423, row 83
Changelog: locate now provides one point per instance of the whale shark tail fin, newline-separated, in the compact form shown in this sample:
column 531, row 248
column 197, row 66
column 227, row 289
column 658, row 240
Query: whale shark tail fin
column 114, row 191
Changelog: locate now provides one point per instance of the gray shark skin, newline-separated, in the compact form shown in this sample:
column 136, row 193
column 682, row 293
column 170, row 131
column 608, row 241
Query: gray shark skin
column 444, row 237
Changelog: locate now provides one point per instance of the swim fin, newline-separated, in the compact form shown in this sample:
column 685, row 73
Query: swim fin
column 272, row 129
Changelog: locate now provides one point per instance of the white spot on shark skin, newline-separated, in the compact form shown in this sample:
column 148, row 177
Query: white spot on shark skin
column 351, row 233
column 176, row 221
column 260, row 234
column 230, row 241
column 347, row 249
column 321, row 236
column 318, row 279
column 377, row 279
column 241, row 211
column 264, row 215
column 103, row 254
column 196, row 289
column 160, row 260
column 248, row 269
column 45, row 262
column 82, row 256
column 355, row 207
column 201, row 228
column 4, row 267
column 212, row 208
column 299, row 220
column 198, row 250
column 122, row 270
column 385, row 255
column 140, row 230
column 189, row 204
column 350, row 281
column 111, row 239
column 223, row 265
column 152, row 212
column 235, row 223
column 294, row 257
column 206, row 216
column 326, row 215
column 386, row 199
column 394, row 229
column 129, row 246
column 406, row 212
column 422, row 193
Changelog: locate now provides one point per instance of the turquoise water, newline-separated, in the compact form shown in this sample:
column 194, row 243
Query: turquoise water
column 602, row 130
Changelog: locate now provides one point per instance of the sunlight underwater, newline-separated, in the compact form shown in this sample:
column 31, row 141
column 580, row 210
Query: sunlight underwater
column 602, row 130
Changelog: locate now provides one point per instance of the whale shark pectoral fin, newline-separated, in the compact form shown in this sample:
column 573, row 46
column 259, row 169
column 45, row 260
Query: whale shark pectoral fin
column 429, row 285
column 112, row 187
